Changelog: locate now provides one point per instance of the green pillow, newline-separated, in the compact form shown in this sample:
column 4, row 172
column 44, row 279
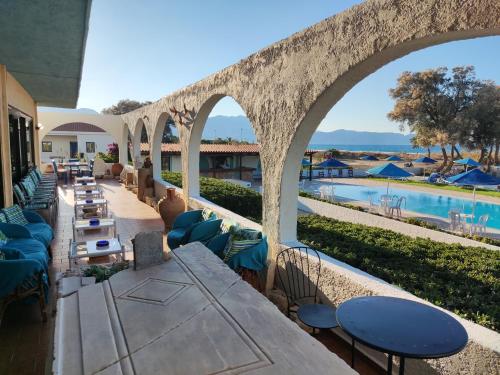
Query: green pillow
column 3, row 219
column 239, row 245
column 206, row 214
column 15, row 215
column 3, row 238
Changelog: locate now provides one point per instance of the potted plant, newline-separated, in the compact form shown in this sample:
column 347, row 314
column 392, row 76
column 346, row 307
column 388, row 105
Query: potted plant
column 113, row 152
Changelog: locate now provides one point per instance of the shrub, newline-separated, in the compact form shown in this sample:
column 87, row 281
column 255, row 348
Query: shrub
column 241, row 200
column 465, row 280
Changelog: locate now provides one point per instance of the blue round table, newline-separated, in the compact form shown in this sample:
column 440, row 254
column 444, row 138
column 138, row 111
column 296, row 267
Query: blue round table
column 401, row 327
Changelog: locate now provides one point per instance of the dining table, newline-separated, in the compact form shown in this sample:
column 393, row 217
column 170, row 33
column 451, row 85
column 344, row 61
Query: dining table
column 401, row 327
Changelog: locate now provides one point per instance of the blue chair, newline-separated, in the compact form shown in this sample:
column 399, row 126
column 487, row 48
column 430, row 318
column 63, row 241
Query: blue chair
column 30, row 248
column 182, row 226
column 22, row 279
column 15, row 223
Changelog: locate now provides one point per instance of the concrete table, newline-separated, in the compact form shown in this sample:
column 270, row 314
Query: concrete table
column 84, row 179
column 85, row 186
column 88, row 194
column 84, row 224
column 189, row 315
column 100, row 205
column 89, row 249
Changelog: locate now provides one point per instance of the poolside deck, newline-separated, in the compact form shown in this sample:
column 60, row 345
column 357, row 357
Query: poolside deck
column 26, row 344
column 345, row 214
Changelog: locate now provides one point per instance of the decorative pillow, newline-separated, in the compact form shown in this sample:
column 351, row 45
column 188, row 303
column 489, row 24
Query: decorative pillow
column 228, row 226
column 218, row 243
column 19, row 194
column 207, row 214
column 3, row 238
column 3, row 219
column 28, row 188
column 15, row 215
column 239, row 245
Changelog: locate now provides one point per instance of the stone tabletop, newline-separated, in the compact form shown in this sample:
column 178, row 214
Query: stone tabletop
column 189, row 315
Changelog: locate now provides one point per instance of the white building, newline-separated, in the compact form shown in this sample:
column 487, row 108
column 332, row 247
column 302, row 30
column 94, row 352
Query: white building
column 74, row 139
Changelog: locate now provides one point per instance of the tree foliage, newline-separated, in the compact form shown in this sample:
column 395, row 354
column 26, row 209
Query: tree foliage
column 124, row 106
column 444, row 109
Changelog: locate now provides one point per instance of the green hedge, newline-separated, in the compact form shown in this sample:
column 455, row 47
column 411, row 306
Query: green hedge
column 465, row 280
column 243, row 201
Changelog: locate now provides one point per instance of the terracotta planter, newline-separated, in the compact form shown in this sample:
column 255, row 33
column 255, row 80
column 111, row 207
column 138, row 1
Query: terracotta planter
column 116, row 169
column 169, row 207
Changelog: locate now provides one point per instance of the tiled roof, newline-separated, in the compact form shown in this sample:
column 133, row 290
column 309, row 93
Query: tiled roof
column 175, row 148
column 78, row 127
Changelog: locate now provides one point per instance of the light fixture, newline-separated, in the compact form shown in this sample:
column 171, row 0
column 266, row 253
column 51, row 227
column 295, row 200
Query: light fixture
column 39, row 126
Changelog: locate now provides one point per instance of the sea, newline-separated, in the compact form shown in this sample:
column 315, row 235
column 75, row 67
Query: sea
column 373, row 148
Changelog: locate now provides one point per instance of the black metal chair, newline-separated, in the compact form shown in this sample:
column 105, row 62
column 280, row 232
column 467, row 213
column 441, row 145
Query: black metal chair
column 299, row 277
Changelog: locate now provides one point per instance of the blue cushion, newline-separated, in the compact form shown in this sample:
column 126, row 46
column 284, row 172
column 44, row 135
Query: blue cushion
column 31, row 249
column 41, row 232
column 218, row 244
column 15, row 215
column 175, row 237
column 204, row 231
column 253, row 258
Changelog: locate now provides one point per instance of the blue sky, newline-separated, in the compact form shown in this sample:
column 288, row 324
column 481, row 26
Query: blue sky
column 146, row 49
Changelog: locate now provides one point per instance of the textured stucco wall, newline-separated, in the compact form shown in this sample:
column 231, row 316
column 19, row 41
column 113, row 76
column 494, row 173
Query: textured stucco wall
column 288, row 87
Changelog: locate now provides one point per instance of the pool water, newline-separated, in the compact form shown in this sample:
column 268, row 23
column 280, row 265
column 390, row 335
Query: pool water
column 418, row 201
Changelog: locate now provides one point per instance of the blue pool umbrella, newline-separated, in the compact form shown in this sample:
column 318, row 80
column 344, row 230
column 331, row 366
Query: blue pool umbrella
column 369, row 157
column 306, row 163
column 332, row 163
column 425, row 160
column 393, row 158
column 475, row 177
column 388, row 171
column 468, row 162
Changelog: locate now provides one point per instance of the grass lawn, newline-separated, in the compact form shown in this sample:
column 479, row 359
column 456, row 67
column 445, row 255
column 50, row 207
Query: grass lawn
column 488, row 193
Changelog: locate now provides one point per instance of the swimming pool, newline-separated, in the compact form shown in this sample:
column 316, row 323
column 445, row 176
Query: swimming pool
column 417, row 201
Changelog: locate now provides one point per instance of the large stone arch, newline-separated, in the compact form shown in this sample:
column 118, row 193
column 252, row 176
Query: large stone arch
column 191, row 159
column 140, row 124
column 391, row 35
column 287, row 88
column 156, row 142
column 113, row 125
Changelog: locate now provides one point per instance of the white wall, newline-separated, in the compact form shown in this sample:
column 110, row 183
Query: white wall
column 60, row 146
column 176, row 164
column 101, row 140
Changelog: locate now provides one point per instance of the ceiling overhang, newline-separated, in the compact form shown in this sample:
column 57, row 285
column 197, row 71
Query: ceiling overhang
column 43, row 46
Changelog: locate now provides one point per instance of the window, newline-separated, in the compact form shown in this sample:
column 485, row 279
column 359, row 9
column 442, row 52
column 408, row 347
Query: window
column 46, row 146
column 91, row 147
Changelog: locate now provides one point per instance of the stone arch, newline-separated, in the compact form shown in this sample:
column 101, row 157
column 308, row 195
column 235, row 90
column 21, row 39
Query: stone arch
column 156, row 142
column 330, row 95
column 113, row 125
column 136, row 139
column 191, row 152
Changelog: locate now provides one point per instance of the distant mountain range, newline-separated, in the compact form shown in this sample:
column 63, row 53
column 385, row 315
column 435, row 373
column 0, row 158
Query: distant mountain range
column 239, row 126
